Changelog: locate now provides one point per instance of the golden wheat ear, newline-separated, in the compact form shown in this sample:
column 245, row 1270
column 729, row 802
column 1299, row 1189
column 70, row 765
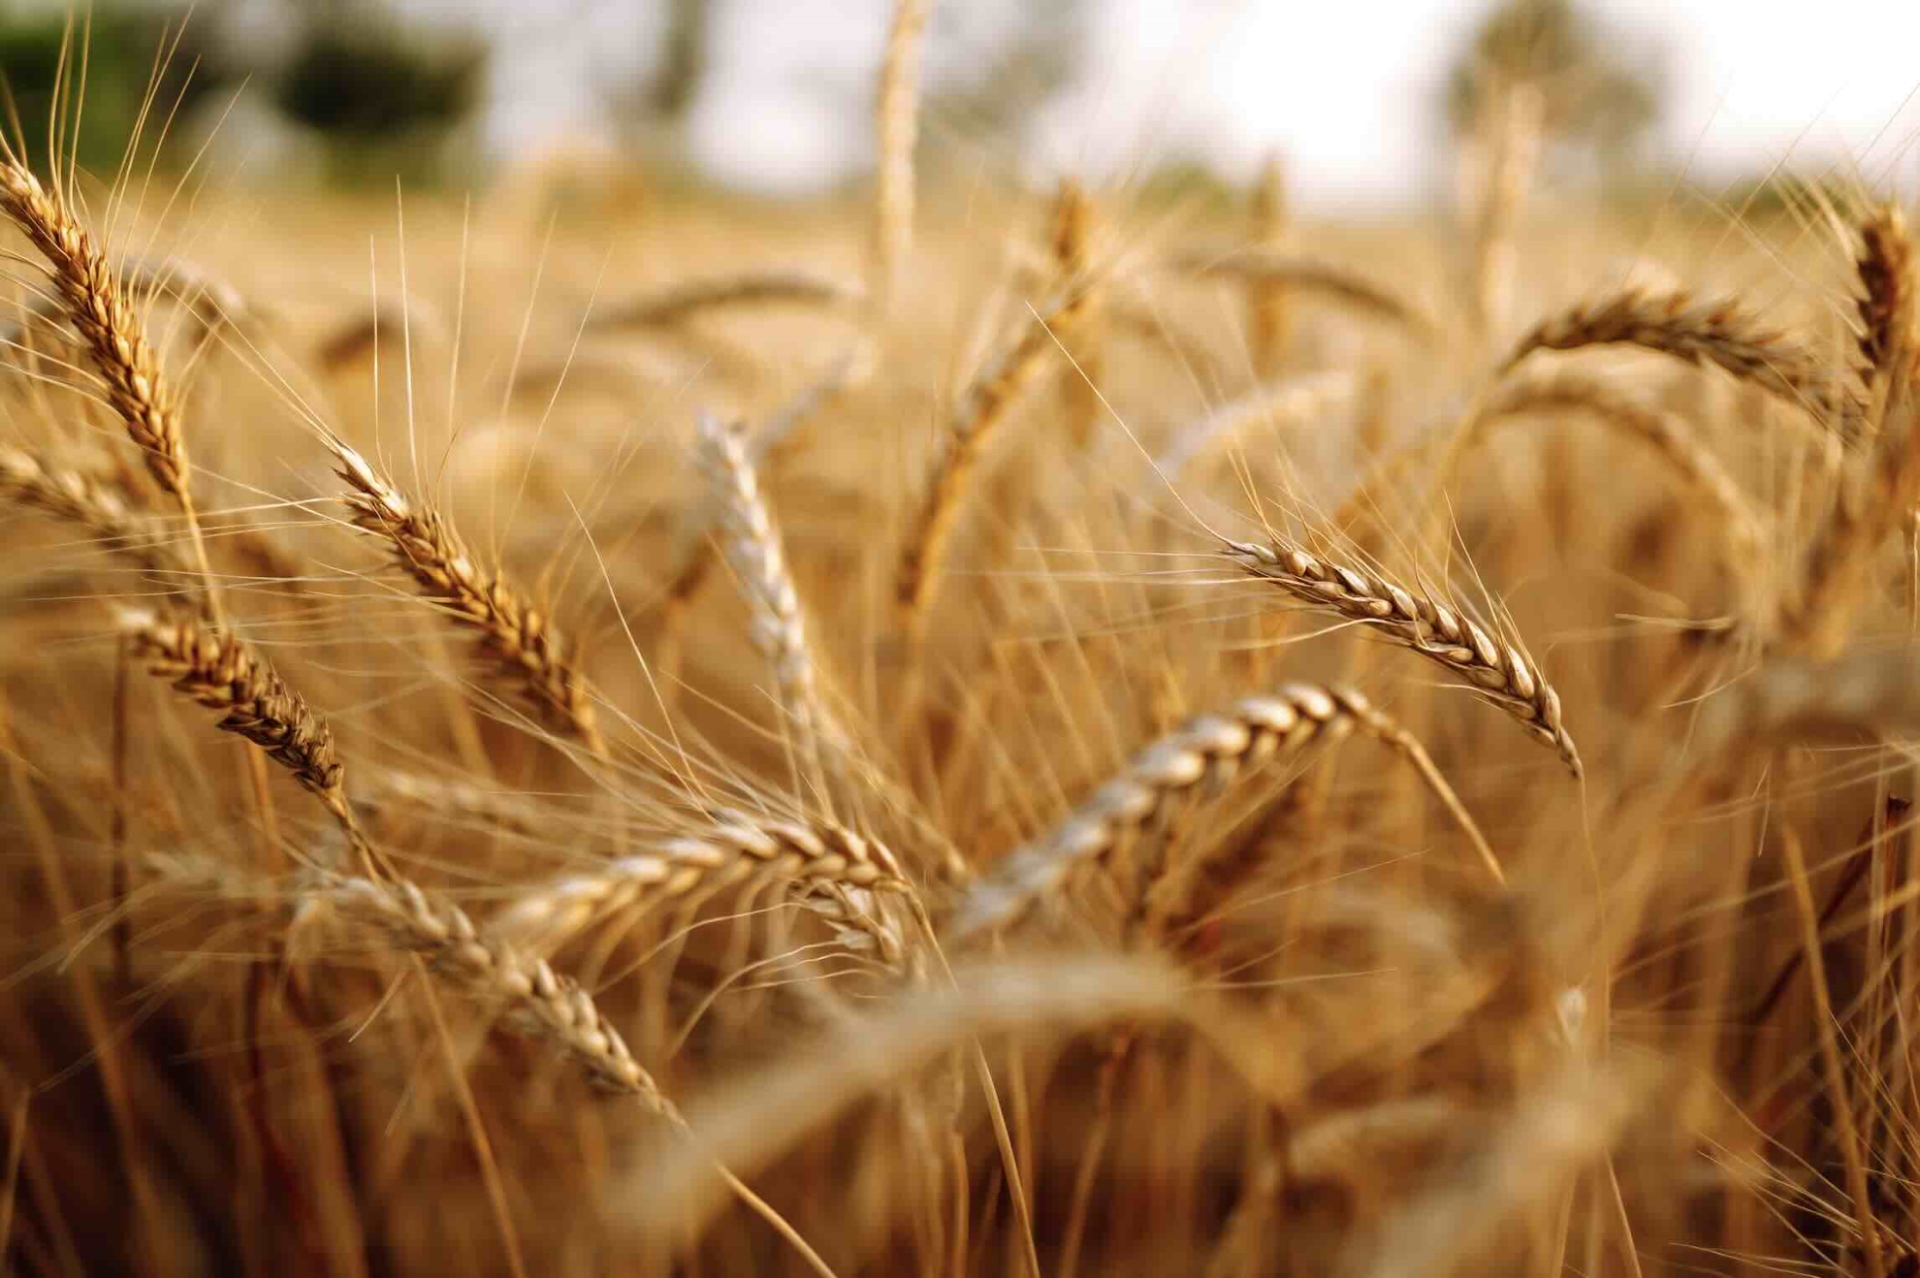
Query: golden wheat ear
column 137, row 388
column 1442, row 633
column 520, row 641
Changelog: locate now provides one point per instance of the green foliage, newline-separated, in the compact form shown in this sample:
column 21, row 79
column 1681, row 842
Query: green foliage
column 363, row 81
column 1592, row 95
column 122, row 47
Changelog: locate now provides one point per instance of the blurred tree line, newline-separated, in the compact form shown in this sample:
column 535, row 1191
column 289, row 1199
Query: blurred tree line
column 378, row 82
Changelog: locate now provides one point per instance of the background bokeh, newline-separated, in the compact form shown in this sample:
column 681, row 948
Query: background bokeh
column 771, row 96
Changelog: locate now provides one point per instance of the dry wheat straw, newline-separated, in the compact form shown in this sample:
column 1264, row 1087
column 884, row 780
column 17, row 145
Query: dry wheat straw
column 1267, row 299
column 1497, row 670
column 137, row 389
column 222, row 673
column 93, row 504
column 751, row 288
column 1300, row 275
column 734, row 849
column 1720, row 333
column 752, row 547
column 896, row 111
column 517, row 638
column 1207, row 752
column 982, row 410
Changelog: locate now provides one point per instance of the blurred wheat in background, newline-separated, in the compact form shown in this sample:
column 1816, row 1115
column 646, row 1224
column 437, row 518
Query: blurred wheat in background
column 558, row 719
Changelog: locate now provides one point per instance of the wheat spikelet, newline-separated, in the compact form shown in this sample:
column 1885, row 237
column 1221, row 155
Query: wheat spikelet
column 1854, row 697
column 734, row 849
column 1254, row 266
column 982, row 410
column 137, row 389
column 896, row 112
column 88, row 503
column 222, row 673
column 1497, row 670
column 1209, row 751
column 1720, row 333
column 518, row 639
column 752, row 547
column 748, row 289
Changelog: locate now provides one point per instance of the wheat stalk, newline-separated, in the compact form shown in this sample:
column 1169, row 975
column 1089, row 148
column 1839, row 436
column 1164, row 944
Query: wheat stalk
column 518, row 639
column 735, row 848
column 137, row 388
column 896, row 111
column 982, row 410
column 1496, row 670
column 1206, row 752
column 1720, row 333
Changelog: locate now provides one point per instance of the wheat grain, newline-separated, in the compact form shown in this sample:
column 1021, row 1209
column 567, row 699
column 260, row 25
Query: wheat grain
column 1497, row 670
column 1207, row 752
column 735, row 848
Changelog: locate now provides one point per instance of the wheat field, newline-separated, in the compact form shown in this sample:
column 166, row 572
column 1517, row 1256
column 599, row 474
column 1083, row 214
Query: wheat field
column 956, row 731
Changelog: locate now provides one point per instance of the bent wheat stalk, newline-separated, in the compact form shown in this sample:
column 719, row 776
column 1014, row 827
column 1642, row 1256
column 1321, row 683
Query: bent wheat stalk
column 982, row 410
column 1719, row 333
column 1497, row 670
column 518, row 639
column 1209, row 751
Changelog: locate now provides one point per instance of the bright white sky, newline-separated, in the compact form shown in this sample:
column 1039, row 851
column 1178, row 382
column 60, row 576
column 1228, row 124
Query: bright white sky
column 1344, row 87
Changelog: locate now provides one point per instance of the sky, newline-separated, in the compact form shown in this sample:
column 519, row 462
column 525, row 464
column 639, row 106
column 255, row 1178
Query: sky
column 1344, row 88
